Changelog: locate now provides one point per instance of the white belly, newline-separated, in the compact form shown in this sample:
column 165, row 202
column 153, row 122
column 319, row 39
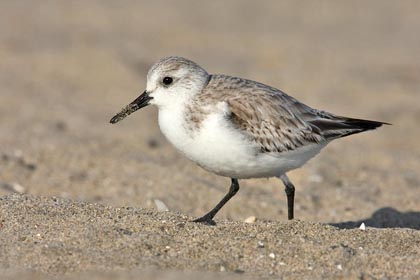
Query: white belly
column 219, row 148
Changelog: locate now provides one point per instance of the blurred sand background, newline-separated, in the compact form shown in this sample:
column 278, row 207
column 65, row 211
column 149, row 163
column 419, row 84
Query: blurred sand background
column 66, row 67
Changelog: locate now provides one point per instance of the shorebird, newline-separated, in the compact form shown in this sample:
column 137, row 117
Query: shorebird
column 236, row 127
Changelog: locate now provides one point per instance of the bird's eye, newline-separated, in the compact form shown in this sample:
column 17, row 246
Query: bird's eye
column 167, row 81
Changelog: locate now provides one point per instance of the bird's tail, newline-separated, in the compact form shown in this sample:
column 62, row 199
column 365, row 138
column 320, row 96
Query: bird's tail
column 337, row 127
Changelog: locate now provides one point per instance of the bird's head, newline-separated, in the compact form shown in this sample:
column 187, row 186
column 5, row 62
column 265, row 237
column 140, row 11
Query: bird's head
column 170, row 82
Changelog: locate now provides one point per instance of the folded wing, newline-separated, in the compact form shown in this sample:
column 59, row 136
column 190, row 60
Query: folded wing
column 277, row 122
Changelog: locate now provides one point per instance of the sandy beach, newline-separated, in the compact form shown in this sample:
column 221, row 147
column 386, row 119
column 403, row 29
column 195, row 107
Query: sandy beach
column 83, row 199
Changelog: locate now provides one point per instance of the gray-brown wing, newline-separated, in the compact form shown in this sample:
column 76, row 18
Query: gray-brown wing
column 273, row 122
column 276, row 121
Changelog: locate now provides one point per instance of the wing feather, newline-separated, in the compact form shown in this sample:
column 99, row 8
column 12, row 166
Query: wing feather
column 270, row 124
column 275, row 121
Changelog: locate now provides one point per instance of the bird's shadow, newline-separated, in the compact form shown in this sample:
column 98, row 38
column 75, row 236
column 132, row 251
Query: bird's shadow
column 386, row 217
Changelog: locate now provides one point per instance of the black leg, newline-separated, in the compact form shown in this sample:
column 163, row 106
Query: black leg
column 290, row 192
column 208, row 218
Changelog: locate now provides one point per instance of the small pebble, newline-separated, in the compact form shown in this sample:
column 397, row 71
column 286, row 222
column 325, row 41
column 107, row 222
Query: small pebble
column 339, row 267
column 14, row 187
column 222, row 268
column 272, row 255
column 250, row 220
column 18, row 188
column 260, row 244
column 362, row 226
column 160, row 205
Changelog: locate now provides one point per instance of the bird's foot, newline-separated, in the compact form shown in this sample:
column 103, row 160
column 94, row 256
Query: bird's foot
column 205, row 220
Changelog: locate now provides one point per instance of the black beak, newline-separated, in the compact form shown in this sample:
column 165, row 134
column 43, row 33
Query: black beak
column 140, row 102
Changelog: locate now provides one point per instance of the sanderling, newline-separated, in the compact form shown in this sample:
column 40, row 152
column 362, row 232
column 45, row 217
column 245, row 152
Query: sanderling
column 235, row 127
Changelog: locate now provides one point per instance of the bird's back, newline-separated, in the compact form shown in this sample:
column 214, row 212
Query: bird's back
column 275, row 120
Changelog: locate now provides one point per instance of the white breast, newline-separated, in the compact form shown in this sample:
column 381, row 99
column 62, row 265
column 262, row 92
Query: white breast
column 222, row 149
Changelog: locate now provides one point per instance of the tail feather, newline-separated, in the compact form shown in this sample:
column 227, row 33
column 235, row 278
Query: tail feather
column 337, row 127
